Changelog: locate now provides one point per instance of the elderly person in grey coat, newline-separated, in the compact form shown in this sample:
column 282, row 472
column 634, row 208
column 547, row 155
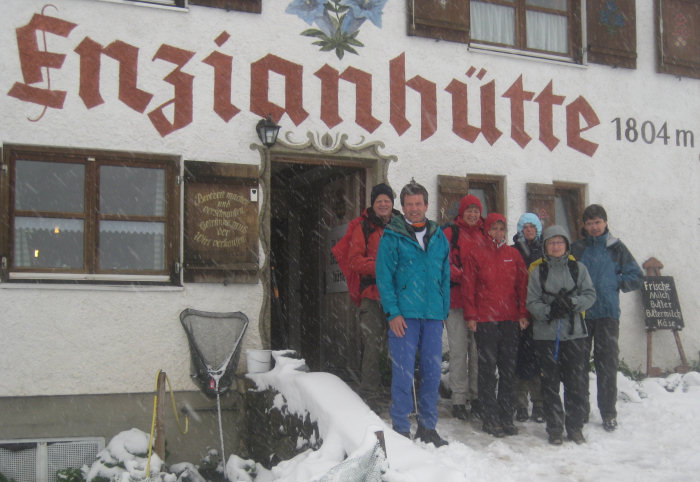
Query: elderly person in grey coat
column 559, row 291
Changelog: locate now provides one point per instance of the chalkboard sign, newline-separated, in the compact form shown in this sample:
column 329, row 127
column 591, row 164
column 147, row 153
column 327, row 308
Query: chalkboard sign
column 661, row 307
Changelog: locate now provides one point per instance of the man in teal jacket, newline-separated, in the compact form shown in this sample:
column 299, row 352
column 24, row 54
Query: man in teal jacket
column 413, row 277
column 613, row 269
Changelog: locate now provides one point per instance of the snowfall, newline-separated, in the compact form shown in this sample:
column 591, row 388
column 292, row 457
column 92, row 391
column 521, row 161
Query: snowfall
column 658, row 439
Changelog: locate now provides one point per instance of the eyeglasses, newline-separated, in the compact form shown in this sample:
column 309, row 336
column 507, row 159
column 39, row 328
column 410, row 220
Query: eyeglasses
column 555, row 243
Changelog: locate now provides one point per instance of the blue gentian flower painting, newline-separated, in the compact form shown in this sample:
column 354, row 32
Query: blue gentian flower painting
column 337, row 22
column 611, row 17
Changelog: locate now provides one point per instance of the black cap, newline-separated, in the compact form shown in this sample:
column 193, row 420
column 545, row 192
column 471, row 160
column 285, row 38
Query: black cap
column 381, row 189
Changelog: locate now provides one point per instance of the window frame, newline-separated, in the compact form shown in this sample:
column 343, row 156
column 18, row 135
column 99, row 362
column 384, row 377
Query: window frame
column 573, row 196
column 456, row 27
column 250, row 6
column 92, row 159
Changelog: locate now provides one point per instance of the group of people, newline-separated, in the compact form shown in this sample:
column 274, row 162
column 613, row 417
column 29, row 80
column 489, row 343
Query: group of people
column 520, row 319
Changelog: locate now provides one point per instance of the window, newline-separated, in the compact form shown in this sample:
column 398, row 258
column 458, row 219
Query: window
column 89, row 215
column 678, row 37
column 540, row 27
column 558, row 203
column 252, row 6
column 451, row 189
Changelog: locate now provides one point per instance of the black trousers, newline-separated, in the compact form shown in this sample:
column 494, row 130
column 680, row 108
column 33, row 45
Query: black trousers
column 569, row 369
column 497, row 345
column 603, row 335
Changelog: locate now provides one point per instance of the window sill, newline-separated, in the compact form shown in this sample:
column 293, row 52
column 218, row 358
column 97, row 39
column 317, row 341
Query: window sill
column 49, row 281
column 175, row 8
column 133, row 288
column 507, row 52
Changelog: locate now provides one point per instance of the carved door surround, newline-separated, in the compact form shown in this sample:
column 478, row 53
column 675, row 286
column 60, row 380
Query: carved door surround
column 317, row 148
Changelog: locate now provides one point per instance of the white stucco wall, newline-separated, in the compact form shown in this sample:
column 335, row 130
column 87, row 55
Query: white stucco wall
column 83, row 340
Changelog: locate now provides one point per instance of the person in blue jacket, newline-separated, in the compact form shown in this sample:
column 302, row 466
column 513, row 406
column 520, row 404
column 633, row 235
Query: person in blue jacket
column 413, row 277
column 613, row 269
column 528, row 241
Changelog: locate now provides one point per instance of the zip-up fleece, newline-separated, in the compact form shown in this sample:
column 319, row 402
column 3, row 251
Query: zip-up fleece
column 558, row 277
column 413, row 282
column 612, row 268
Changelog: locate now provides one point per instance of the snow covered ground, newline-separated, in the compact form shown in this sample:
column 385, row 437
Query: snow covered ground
column 657, row 440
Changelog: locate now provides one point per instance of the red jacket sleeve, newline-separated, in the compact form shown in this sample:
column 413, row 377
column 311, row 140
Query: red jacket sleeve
column 360, row 261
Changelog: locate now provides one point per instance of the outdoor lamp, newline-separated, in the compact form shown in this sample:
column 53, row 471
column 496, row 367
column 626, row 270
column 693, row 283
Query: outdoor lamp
column 267, row 131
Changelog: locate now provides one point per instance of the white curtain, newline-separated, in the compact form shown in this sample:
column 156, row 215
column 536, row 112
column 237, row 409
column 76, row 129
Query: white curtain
column 43, row 229
column 492, row 23
column 130, row 230
column 547, row 32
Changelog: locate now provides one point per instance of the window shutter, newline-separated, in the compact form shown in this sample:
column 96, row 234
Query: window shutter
column 450, row 190
column 439, row 19
column 252, row 6
column 678, row 37
column 612, row 33
column 221, row 222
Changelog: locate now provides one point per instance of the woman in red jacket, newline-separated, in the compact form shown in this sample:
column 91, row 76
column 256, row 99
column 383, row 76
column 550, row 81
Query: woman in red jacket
column 464, row 234
column 494, row 296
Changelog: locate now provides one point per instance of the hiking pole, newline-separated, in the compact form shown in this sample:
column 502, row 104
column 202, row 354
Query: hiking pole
column 415, row 400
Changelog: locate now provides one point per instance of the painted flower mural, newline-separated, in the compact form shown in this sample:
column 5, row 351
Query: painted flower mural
column 337, row 22
column 611, row 17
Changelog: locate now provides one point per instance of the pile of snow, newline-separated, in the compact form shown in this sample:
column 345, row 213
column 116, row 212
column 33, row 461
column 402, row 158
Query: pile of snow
column 656, row 438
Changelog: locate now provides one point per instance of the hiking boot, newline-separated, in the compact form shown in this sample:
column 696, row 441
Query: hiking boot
column 521, row 414
column 405, row 434
column 460, row 412
column 577, row 436
column 609, row 424
column 555, row 439
column 538, row 414
column 495, row 430
column 430, row 436
column 510, row 429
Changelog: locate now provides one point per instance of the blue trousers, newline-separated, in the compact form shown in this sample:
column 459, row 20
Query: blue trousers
column 424, row 336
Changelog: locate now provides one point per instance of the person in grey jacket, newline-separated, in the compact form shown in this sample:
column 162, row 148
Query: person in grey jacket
column 559, row 290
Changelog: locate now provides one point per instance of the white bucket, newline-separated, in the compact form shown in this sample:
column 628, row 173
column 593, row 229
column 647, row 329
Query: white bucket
column 258, row 361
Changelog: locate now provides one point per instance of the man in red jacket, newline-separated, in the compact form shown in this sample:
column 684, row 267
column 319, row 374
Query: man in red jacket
column 494, row 296
column 463, row 356
column 362, row 255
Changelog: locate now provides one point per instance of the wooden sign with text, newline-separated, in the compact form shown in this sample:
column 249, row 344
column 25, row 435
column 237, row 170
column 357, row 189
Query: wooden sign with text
column 221, row 223
column 661, row 307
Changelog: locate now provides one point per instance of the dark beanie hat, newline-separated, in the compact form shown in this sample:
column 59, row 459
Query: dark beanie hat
column 381, row 189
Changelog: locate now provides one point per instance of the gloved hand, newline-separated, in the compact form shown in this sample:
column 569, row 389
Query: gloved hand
column 561, row 306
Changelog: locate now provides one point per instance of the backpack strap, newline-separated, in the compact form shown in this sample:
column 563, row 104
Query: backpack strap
column 544, row 272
